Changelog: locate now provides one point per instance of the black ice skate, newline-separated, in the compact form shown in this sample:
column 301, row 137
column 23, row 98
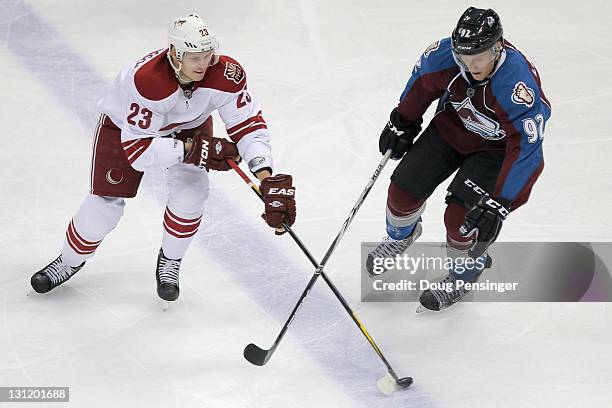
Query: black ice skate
column 53, row 275
column 440, row 299
column 167, row 275
column 390, row 248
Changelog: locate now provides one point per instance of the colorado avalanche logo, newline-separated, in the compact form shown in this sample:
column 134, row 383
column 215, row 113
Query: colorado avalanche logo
column 523, row 95
column 431, row 48
column 233, row 72
column 476, row 122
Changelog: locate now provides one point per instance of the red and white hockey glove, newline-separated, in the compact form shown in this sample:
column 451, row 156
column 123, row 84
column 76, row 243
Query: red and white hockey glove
column 210, row 153
column 279, row 198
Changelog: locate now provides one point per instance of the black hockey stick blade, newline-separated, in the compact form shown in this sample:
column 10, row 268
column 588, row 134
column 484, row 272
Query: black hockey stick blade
column 405, row 382
column 256, row 355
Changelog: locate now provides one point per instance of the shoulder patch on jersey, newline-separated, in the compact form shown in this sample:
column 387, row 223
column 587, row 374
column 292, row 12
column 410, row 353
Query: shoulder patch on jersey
column 233, row 72
column 154, row 79
column 434, row 46
column 227, row 76
column 417, row 64
column 523, row 95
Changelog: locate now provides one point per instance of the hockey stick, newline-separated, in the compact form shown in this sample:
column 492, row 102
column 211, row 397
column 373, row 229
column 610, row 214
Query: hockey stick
column 259, row 356
column 287, row 228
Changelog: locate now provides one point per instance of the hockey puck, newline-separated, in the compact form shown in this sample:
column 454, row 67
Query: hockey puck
column 386, row 384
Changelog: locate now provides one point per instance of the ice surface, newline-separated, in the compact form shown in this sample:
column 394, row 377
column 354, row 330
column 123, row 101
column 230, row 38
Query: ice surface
column 326, row 74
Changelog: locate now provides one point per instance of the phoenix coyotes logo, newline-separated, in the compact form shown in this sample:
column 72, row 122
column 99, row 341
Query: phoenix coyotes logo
column 179, row 23
column 233, row 72
column 523, row 95
column 114, row 176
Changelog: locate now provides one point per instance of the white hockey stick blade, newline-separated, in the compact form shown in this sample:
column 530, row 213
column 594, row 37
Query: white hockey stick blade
column 386, row 384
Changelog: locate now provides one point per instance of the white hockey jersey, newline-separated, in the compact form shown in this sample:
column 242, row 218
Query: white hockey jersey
column 148, row 105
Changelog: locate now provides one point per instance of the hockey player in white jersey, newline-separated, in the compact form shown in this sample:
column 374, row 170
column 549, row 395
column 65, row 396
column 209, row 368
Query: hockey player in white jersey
column 157, row 115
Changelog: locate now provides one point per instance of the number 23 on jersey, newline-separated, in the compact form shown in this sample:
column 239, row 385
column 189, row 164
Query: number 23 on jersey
column 140, row 117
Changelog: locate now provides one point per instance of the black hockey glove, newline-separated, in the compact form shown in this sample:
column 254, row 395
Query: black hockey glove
column 486, row 219
column 397, row 136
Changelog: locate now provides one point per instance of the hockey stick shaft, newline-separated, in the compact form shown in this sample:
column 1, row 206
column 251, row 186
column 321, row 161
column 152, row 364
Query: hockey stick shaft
column 360, row 326
column 345, row 225
column 354, row 210
column 253, row 353
column 332, row 248
column 287, row 228
column 264, row 355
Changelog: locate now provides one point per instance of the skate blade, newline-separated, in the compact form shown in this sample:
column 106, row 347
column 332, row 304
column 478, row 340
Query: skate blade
column 164, row 305
column 375, row 275
column 32, row 292
column 420, row 309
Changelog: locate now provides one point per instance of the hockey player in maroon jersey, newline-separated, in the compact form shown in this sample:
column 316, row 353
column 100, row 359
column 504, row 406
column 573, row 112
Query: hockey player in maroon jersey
column 157, row 115
column 489, row 124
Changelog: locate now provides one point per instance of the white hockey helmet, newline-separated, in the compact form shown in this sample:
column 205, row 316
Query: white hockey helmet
column 191, row 34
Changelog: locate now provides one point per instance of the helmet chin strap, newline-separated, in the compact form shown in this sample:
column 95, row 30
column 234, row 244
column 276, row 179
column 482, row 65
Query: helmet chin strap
column 498, row 52
column 177, row 70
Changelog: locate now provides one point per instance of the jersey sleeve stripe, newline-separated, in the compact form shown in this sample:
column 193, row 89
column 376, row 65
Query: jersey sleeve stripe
column 254, row 119
column 252, row 128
